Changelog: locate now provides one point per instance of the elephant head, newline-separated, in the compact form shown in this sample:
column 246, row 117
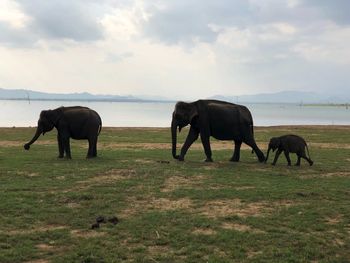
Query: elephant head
column 46, row 122
column 182, row 116
column 274, row 143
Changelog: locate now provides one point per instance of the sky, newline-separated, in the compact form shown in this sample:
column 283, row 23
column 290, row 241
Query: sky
column 179, row 49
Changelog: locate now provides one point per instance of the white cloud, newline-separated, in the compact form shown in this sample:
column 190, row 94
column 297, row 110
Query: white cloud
column 11, row 13
column 177, row 48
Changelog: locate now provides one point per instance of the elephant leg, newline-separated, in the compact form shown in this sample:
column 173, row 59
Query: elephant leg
column 286, row 153
column 303, row 155
column 276, row 157
column 60, row 146
column 92, row 148
column 258, row 152
column 206, row 144
column 94, row 152
column 66, row 145
column 191, row 137
column 236, row 153
column 298, row 161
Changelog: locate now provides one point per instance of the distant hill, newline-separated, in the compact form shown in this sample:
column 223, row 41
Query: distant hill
column 278, row 97
column 22, row 94
column 285, row 97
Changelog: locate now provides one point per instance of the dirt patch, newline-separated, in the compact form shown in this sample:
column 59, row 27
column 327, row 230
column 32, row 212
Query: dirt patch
column 29, row 174
column 159, row 250
column 87, row 233
column 334, row 220
column 326, row 175
column 176, row 182
column 204, row 231
column 141, row 205
column 223, row 208
column 35, row 230
column 45, row 247
column 21, row 143
column 253, row 254
column 329, row 145
column 73, row 205
column 144, row 161
column 105, row 178
column 240, row 227
column 38, row 261
column 245, row 187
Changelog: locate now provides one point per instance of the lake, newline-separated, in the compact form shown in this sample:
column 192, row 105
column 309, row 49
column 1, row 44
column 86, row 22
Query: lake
column 158, row 114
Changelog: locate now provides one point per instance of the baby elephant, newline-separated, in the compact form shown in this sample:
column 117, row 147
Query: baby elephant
column 289, row 144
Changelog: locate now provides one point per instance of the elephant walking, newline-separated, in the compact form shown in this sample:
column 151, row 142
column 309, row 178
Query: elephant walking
column 71, row 122
column 222, row 120
column 289, row 144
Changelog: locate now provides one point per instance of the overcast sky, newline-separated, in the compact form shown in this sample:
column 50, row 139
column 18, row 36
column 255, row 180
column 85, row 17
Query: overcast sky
column 175, row 48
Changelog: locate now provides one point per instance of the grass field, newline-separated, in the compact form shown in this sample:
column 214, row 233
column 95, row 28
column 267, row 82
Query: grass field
column 172, row 211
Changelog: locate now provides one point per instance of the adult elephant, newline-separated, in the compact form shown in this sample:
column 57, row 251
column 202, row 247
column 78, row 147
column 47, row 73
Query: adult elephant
column 222, row 120
column 71, row 122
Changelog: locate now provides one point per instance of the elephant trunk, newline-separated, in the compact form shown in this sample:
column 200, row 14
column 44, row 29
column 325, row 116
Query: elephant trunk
column 39, row 130
column 173, row 136
column 268, row 152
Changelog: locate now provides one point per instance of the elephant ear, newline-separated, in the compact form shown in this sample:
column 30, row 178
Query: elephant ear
column 193, row 113
column 54, row 115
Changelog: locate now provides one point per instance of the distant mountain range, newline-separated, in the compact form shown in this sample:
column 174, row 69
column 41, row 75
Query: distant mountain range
column 286, row 97
column 278, row 97
column 22, row 94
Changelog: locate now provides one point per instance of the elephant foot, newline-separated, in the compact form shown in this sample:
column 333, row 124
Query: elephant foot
column 26, row 147
column 234, row 159
column 90, row 156
column 68, row 157
column 311, row 163
column 60, row 156
column 273, row 164
column 208, row 160
column 179, row 158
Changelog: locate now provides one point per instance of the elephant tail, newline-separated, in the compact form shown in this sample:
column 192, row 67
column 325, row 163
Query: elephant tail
column 308, row 153
column 100, row 128
column 252, row 128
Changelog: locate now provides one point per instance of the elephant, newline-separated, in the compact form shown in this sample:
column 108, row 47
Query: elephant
column 219, row 119
column 289, row 144
column 71, row 122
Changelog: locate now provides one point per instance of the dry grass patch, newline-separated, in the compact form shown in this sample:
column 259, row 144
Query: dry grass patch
column 87, row 233
column 313, row 174
column 245, row 187
column 252, row 254
column 204, row 231
column 235, row 207
column 45, row 247
column 329, row 145
column 334, row 220
column 38, row 261
column 176, row 182
column 240, row 227
column 25, row 173
column 106, row 178
column 21, row 143
column 34, row 230
column 138, row 206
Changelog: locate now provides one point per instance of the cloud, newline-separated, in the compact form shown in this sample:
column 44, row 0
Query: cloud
column 51, row 20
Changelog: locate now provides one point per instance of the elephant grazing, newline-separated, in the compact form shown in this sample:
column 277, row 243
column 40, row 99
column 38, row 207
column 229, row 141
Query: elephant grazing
column 222, row 120
column 71, row 122
column 289, row 144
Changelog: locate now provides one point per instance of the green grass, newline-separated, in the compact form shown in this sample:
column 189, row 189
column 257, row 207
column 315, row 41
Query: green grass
column 173, row 211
